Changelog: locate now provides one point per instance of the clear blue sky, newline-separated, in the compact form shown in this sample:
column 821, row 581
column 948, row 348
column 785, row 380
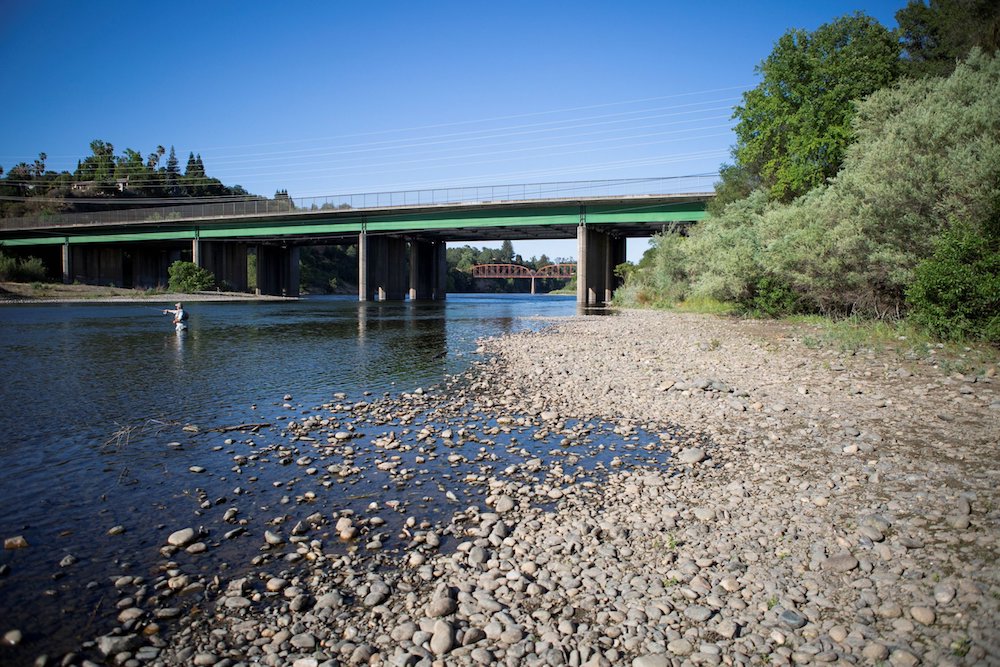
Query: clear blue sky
column 333, row 97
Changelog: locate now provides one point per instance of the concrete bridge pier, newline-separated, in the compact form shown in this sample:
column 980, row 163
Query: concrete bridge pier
column 597, row 256
column 96, row 265
column 67, row 263
column 381, row 268
column 227, row 261
column 428, row 270
column 277, row 270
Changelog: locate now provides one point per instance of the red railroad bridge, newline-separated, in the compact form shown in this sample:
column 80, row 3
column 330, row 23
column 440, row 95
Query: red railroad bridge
column 557, row 271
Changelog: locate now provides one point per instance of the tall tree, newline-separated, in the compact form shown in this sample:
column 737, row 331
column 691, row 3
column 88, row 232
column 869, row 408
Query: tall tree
column 199, row 166
column 154, row 157
column 100, row 165
column 40, row 165
column 794, row 126
column 172, row 173
column 936, row 35
column 506, row 254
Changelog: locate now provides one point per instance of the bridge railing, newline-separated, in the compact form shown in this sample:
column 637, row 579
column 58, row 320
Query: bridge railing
column 487, row 194
column 258, row 206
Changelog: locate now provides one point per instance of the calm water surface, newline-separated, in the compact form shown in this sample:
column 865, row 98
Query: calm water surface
column 92, row 395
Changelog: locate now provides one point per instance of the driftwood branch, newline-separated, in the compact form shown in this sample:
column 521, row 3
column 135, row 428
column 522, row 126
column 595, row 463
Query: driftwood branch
column 239, row 427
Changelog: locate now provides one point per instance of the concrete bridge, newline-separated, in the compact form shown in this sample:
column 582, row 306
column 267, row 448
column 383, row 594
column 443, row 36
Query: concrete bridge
column 401, row 236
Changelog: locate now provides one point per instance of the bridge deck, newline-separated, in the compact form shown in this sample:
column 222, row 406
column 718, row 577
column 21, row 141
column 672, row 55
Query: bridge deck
column 629, row 216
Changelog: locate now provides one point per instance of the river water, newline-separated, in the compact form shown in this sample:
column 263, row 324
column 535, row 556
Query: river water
column 95, row 398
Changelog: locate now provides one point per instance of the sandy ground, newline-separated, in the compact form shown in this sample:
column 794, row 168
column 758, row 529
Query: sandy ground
column 59, row 293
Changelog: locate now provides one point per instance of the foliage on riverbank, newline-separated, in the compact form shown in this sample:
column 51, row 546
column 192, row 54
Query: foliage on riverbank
column 21, row 269
column 909, row 226
column 189, row 277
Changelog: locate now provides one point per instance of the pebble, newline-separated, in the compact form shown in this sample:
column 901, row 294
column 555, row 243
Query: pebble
column 944, row 593
column 698, row 613
column 691, row 455
column 181, row 538
column 680, row 647
column 844, row 562
column 792, row 619
column 504, row 504
column 16, row 542
column 923, row 615
column 443, row 638
column 441, row 607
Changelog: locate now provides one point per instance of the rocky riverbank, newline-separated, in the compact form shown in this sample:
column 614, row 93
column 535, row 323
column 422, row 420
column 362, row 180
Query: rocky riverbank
column 755, row 500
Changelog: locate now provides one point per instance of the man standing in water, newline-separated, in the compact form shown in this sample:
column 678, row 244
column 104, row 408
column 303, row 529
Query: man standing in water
column 179, row 316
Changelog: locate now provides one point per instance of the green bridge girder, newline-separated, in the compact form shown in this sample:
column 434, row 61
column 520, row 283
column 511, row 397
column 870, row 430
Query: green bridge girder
column 136, row 247
column 626, row 217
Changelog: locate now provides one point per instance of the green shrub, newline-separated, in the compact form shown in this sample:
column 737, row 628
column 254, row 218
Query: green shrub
column 956, row 292
column 8, row 265
column 188, row 277
column 772, row 297
column 27, row 270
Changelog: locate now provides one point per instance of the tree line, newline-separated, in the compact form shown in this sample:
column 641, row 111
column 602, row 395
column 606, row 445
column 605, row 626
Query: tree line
column 865, row 180
column 129, row 178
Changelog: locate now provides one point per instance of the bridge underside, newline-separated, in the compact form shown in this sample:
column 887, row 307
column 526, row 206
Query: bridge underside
column 401, row 250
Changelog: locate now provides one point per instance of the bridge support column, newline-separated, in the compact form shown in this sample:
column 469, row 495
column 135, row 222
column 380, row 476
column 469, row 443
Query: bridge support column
column 228, row 262
column 592, row 266
column 96, row 265
column 67, row 263
column 363, row 267
column 278, row 270
column 381, row 268
column 427, row 280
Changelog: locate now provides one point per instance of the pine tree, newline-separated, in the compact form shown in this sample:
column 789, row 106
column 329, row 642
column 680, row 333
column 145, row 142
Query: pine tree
column 172, row 172
column 173, row 167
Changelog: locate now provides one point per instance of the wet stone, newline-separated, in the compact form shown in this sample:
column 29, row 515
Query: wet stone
column 792, row 619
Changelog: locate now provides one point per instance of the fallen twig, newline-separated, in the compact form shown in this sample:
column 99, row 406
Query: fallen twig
column 239, row 427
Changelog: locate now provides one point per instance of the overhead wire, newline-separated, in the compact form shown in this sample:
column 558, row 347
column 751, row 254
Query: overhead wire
column 452, row 149
column 249, row 171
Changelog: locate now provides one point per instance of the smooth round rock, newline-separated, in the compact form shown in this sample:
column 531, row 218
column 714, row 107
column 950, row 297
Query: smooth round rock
column 443, row 639
column 441, row 607
column 792, row 619
column 691, row 455
column 923, row 615
column 181, row 538
column 504, row 504
column 841, row 563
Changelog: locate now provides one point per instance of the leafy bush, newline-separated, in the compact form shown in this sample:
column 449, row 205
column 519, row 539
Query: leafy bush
column 26, row 270
column 8, row 265
column 926, row 154
column 660, row 278
column 189, row 277
column 956, row 294
column 772, row 297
